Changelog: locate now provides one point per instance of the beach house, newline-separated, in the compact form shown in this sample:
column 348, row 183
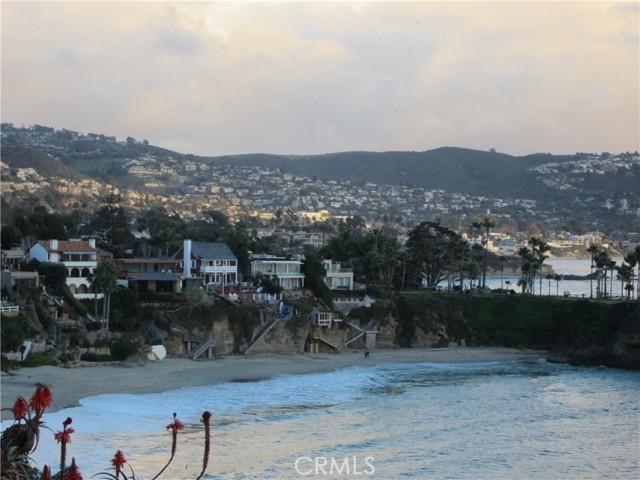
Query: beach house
column 208, row 264
column 286, row 269
column 79, row 257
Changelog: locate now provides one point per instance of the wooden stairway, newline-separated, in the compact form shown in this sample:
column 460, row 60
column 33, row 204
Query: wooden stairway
column 262, row 333
column 203, row 347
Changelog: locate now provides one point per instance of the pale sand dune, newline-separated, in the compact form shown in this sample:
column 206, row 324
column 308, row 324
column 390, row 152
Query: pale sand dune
column 70, row 385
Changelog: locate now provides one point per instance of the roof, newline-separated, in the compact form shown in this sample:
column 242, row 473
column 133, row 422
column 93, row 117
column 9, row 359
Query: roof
column 215, row 250
column 153, row 260
column 271, row 259
column 155, row 277
column 69, row 246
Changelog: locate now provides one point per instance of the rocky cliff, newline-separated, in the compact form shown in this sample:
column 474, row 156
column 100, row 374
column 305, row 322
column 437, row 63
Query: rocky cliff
column 581, row 332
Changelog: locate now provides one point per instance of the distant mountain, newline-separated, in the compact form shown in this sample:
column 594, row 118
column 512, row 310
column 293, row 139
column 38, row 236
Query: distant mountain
column 545, row 177
column 449, row 168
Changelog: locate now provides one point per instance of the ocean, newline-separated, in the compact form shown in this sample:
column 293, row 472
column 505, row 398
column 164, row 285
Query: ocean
column 566, row 288
column 510, row 420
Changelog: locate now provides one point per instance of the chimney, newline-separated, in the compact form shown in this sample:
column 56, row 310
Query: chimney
column 186, row 259
column 92, row 242
column 53, row 244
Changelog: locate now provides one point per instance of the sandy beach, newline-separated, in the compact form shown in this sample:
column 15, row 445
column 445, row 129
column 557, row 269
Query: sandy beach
column 71, row 384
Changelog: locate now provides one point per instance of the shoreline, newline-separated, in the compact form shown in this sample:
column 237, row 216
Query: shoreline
column 69, row 385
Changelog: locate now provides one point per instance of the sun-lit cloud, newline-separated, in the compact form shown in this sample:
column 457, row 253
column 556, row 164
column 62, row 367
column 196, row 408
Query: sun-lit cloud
column 312, row 77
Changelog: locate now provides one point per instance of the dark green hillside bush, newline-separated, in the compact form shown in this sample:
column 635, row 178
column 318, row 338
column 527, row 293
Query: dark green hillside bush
column 15, row 330
column 517, row 321
column 122, row 349
column 38, row 359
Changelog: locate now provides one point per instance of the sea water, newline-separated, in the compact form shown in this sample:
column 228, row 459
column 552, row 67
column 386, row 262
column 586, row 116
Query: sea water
column 513, row 420
column 564, row 288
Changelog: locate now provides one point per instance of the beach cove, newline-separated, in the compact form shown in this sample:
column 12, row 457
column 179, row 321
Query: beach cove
column 461, row 412
column 71, row 384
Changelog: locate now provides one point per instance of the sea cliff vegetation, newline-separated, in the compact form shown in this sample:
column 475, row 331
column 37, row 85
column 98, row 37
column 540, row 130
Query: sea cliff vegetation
column 582, row 332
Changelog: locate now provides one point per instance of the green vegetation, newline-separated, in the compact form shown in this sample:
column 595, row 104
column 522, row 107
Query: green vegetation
column 37, row 359
column 122, row 349
column 561, row 325
column 91, row 165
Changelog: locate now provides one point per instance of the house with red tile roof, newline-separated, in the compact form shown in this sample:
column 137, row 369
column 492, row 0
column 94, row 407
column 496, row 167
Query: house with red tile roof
column 80, row 258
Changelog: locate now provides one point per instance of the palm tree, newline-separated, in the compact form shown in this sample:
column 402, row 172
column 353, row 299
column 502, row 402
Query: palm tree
column 625, row 272
column 611, row 265
column 502, row 259
column 538, row 248
column 593, row 251
column 549, row 277
column 106, row 276
column 526, row 282
column 557, row 277
column 603, row 263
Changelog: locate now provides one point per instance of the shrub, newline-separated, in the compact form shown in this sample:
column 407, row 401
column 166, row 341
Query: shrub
column 38, row 359
column 122, row 349
column 94, row 357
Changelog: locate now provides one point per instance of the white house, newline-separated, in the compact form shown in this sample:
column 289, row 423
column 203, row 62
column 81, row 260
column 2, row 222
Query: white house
column 337, row 278
column 286, row 269
column 80, row 258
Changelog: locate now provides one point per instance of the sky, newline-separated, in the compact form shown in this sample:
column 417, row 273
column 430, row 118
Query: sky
column 302, row 77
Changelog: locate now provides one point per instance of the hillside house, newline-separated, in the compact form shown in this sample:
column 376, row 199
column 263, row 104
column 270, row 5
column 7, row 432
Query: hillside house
column 11, row 275
column 286, row 269
column 159, row 282
column 80, row 258
column 337, row 278
column 129, row 268
column 208, row 264
column 152, row 275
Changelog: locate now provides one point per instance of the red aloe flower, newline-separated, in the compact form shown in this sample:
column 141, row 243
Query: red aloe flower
column 40, row 400
column 63, row 438
column 64, row 435
column 46, row 473
column 118, row 460
column 176, row 425
column 74, row 473
column 20, row 408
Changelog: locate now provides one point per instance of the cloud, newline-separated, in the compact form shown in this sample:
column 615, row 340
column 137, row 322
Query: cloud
column 314, row 77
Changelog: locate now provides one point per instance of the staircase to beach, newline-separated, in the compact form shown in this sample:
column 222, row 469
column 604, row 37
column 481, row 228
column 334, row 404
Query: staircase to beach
column 318, row 336
column 359, row 333
column 206, row 344
column 262, row 333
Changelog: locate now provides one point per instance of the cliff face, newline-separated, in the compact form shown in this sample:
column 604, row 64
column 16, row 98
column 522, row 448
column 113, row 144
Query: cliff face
column 580, row 332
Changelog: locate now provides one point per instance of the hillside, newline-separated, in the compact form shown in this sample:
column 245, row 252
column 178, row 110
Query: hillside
column 474, row 172
column 576, row 193
column 44, row 164
column 452, row 169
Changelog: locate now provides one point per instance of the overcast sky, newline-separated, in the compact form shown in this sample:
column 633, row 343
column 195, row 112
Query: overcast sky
column 214, row 78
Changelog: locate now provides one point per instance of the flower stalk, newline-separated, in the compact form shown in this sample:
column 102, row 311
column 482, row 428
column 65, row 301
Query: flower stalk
column 175, row 427
column 206, row 420
column 63, row 438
